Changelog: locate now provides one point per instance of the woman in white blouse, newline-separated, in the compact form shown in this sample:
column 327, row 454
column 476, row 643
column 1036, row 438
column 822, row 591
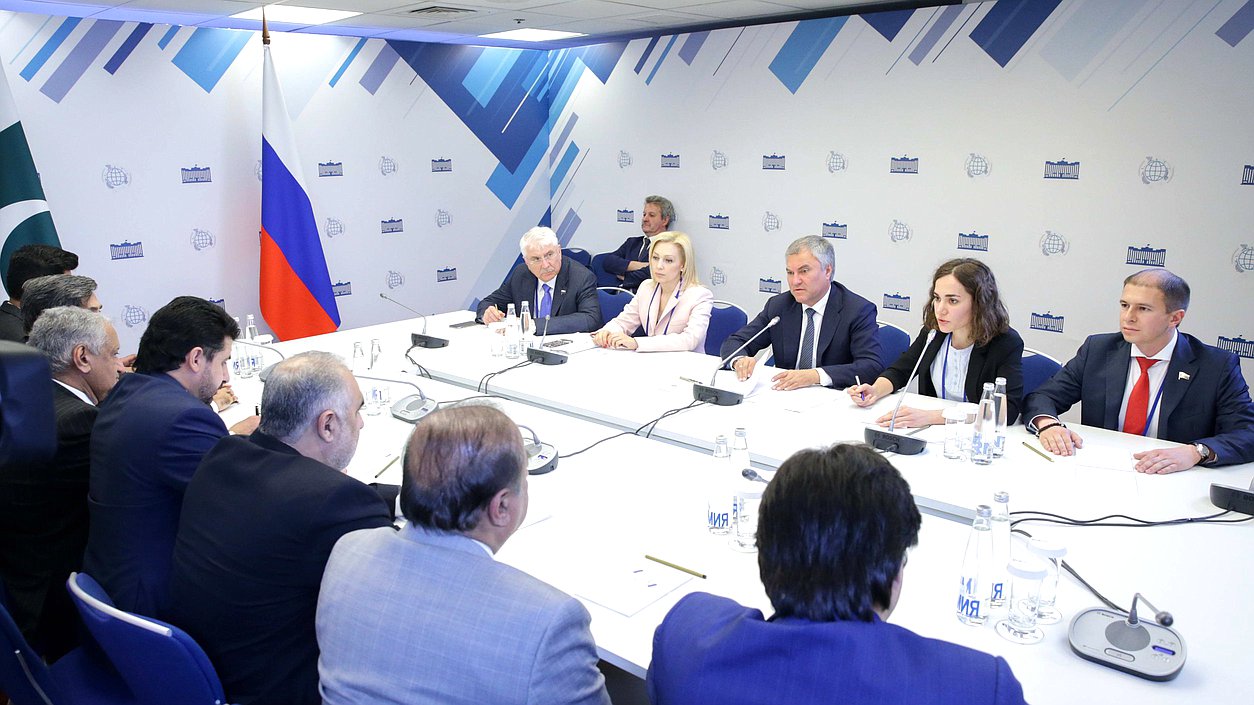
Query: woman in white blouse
column 671, row 307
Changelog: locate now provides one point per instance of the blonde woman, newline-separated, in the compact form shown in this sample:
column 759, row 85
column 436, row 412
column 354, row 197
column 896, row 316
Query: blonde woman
column 671, row 307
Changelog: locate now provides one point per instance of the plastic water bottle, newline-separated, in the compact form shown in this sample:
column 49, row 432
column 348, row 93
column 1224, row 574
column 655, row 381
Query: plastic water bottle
column 1001, row 550
column 251, row 353
column 974, row 581
column 359, row 359
column 513, row 334
column 985, row 428
column 999, row 401
column 740, row 451
column 250, row 330
column 524, row 318
column 718, row 503
column 240, row 364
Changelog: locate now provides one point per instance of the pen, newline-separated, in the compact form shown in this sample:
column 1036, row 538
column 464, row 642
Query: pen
column 689, row 571
column 1038, row 452
column 689, row 379
column 861, row 395
column 385, row 467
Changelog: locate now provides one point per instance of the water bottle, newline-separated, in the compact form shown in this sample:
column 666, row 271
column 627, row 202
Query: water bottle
column 240, row 363
column 999, row 401
column 375, row 351
column 513, row 334
column 250, row 330
column 718, row 503
column 251, row 353
column 973, row 583
column 1001, row 550
column 359, row 359
column 524, row 318
column 740, row 451
column 985, row 428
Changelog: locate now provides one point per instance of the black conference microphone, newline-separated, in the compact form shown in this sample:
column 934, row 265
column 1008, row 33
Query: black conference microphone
column 721, row 397
column 897, row 442
column 419, row 340
column 546, row 357
column 1150, row 650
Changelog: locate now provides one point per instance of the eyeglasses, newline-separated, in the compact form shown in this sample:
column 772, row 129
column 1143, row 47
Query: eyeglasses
column 546, row 257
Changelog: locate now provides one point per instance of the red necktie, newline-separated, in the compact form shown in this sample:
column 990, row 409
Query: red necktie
column 1138, row 402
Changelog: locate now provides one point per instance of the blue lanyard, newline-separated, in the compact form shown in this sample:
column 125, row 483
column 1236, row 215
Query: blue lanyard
column 1154, row 407
column 678, row 287
column 945, row 372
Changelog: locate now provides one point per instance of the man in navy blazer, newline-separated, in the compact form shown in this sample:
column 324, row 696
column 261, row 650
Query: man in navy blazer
column 845, row 347
column 1189, row 392
column 151, row 433
column 259, row 520
column 833, row 531
column 553, row 285
column 630, row 262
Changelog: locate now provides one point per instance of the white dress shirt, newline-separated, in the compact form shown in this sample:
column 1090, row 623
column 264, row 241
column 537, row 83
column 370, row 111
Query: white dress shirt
column 949, row 370
column 76, row 392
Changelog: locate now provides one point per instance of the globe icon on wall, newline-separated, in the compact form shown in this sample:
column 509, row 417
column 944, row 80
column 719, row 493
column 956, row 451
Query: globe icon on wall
column 387, row 165
column 395, row 279
column 976, row 165
column 202, row 239
column 442, row 218
column 258, row 170
column 718, row 160
column 624, row 159
column 1243, row 259
column 836, row 162
column 770, row 222
column 1053, row 244
column 335, row 227
column 899, row 232
column 115, row 176
column 133, row 316
column 1155, row 171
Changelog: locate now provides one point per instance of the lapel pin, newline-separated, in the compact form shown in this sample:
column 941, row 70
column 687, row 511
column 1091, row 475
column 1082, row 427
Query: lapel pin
column 1184, row 375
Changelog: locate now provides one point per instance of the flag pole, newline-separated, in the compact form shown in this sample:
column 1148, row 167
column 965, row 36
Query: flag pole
column 265, row 30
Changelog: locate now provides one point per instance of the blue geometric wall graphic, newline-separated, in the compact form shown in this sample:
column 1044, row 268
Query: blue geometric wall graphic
column 803, row 49
column 1009, row 25
column 888, row 23
column 209, row 52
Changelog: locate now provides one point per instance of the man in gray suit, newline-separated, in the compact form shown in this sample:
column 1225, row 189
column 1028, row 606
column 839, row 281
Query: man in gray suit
column 427, row 615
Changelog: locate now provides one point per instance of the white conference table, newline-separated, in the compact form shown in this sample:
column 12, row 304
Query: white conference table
column 594, row 518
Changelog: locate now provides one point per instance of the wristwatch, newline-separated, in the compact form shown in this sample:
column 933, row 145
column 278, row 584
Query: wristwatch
column 1203, row 451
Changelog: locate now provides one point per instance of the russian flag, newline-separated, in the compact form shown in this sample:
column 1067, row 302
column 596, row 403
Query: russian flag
column 296, row 297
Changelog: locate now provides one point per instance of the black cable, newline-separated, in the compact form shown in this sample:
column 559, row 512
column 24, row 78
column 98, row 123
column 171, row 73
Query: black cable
column 1075, row 574
column 636, row 432
column 483, row 381
column 421, row 370
column 1050, row 518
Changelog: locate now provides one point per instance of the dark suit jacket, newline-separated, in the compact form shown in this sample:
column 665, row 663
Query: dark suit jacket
column 11, row 323
column 632, row 250
column 1002, row 357
column 43, row 529
column 848, row 341
column 259, row 521
column 575, row 305
column 712, row 650
column 1212, row 406
column 149, row 437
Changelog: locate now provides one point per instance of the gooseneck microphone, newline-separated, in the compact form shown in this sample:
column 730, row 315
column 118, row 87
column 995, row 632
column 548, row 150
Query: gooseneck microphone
column 545, row 357
column 897, row 442
column 1124, row 642
column 418, row 340
column 411, row 408
column 541, row 457
column 721, row 397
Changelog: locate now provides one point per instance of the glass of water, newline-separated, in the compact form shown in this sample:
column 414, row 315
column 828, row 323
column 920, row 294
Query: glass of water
column 379, row 398
column 1051, row 554
column 496, row 338
column 955, row 431
column 1019, row 625
column 745, row 519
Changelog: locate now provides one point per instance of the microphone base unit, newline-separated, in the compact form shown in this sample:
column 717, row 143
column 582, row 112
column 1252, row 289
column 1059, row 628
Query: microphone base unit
column 1233, row 499
column 546, row 357
column 716, row 396
column 421, row 340
column 412, row 408
column 1146, row 650
column 541, row 458
column 894, row 442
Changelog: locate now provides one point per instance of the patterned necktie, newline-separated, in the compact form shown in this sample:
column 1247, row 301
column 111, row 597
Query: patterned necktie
column 546, row 302
column 807, row 343
column 1138, row 402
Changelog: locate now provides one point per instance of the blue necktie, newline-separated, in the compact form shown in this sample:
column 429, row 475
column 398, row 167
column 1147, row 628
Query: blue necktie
column 807, row 343
column 546, row 302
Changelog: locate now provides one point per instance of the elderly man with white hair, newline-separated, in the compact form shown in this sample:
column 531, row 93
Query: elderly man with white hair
column 556, row 287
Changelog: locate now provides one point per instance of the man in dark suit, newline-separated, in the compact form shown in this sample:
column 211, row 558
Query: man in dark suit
column 43, row 509
column 1152, row 380
column 259, row 519
column 630, row 262
column 150, row 435
column 26, row 263
column 834, row 343
column 553, row 285
column 833, row 531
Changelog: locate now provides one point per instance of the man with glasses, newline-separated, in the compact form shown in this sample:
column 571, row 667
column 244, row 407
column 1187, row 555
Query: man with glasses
column 556, row 287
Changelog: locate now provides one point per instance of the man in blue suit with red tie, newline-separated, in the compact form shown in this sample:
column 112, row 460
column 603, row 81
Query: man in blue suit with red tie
column 833, row 531
column 1150, row 379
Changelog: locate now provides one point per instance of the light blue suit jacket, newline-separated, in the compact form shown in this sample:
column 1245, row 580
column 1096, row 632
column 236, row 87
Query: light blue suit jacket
column 419, row 616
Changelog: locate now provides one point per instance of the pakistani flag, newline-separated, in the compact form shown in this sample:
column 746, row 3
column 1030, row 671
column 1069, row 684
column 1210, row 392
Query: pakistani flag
column 24, row 216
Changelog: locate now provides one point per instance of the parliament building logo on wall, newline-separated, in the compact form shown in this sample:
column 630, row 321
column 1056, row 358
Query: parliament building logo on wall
column 836, row 231
column 903, row 165
column 626, row 215
column 442, row 218
column 718, row 160
column 836, row 162
column 1053, row 244
column 392, row 225
column 772, row 162
column 126, row 250
column 1046, row 322
column 1155, row 171
column 767, row 285
column 448, row 274
column 342, row 289
column 395, row 279
column 1243, row 258
column 133, row 316
column 896, row 302
column 202, row 239
column 624, row 159
column 115, row 176
column 717, row 277
column 196, row 174
column 1147, row 256
column 973, row 241
column 442, row 166
column 670, row 161
column 388, row 166
column 771, row 222
column 220, row 303
column 334, row 228
column 976, row 165
column 330, row 169
column 1247, row 176
column 1237, row 346
column 720, row 222
column 1062, row 169
column 900, row 232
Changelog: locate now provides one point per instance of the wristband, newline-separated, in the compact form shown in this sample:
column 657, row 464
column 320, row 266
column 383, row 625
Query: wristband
column 1045, row 428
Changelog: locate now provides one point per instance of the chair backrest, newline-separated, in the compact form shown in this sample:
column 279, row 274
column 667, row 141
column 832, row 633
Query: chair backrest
column 604, row 278
column 159, row 662
column 612, row 300
column 580, row 255
column 1037, row 367
column 725, row 318
column 893, row 342
column 23, row 675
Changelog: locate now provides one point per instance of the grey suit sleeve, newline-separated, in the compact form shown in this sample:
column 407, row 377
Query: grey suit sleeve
column 566, row 661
